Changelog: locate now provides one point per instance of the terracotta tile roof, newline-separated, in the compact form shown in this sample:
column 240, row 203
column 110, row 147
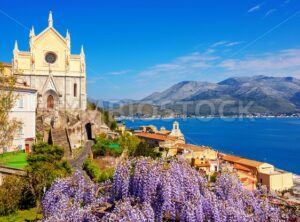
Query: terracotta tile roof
column 6, row 64
column 191, row 147
column 240, row 160
column 155, row 136
column 230, row 158
column 241, row 167
column 248, row 162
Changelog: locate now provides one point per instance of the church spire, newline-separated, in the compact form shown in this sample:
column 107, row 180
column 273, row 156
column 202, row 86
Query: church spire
column 32, row 33
column 68, row 35
column 68, row 39
column 82, row 51
column 50, row 20
column 16, row 49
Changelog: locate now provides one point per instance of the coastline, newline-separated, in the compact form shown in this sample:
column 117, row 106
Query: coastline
column 262, row 139
column 208, row 117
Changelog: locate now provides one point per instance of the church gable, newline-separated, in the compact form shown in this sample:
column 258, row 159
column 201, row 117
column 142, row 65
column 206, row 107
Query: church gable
column 49, row 39
column 49, row 66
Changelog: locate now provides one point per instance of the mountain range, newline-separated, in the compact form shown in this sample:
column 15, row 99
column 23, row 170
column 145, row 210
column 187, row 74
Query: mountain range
column 237, row 95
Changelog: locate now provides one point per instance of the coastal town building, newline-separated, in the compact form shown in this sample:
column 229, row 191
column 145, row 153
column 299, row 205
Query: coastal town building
column 50, row 68
column 149, row 129
column 176, row 132
column 162, row 142
column 276, row 180
column 201, row 157
column 121, row 127
column 172, row 143
column 5, row 69
column 162, row 139
column 253, row 172
column 23, row 111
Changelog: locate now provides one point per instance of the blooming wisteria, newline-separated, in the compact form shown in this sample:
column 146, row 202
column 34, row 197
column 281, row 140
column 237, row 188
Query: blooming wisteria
column 147, row 190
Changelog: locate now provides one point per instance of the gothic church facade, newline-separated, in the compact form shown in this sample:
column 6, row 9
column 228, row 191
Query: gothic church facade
column 50, row 68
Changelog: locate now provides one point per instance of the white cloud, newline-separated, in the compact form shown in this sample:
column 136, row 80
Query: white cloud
column 225, row 43
column 280, row 63
column 181, row 67
column 216, row 66
column 254, row 8
column 219, row 43
column 270, row 12
column 117, row 73
column 230, row 44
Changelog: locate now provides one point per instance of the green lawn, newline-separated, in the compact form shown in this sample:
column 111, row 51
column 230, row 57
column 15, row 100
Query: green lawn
column 23, row 215
column 14, row 159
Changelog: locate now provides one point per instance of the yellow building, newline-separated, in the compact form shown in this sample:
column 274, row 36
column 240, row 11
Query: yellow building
column 202, row 157
column 254, row 172
column 190, row 151
column 49, row 66
column 121, row 127
column 278, row 180
column 5, row 68
column 163, row 142
column 162, row 139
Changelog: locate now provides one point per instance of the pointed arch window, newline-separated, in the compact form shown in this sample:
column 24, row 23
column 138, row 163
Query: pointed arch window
column 75, row 90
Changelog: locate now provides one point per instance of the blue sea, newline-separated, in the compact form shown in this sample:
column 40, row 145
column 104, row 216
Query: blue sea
column 272, row 140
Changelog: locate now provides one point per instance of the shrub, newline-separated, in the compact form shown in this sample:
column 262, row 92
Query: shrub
column 95, row 173
column 145, row 150
column 92, row 170
column 11, row 194
column 46, row 164
column 104, row 147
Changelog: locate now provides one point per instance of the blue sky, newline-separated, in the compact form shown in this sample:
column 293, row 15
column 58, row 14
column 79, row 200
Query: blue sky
column 134, row 48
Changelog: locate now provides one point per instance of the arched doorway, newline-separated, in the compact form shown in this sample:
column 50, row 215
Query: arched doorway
column 50, row 102
column 88, row 129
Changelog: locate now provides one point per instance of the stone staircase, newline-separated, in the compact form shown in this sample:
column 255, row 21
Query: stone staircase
column 60, row 138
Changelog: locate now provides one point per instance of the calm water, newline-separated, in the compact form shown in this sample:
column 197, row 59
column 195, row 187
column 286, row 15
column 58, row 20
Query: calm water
column 274, row 140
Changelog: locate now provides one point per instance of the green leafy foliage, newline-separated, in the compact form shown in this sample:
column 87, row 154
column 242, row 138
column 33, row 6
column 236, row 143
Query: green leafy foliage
column 8, row 96
column 32, row 215
column 45, row 164
column 145, row 150
column 132, row 144
column 129, row 142
column 95, row 173
column 102, row 147
column 39, row 137
column 11, row 194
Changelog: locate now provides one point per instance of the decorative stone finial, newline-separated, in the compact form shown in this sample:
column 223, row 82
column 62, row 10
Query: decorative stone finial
column 50, row 20
column 32, row 33
column 68, row 35
column 68, row 40
column 82, row 51
column 16, row 49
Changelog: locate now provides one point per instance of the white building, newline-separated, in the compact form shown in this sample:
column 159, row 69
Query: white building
column 24, row 111
column 176, row 131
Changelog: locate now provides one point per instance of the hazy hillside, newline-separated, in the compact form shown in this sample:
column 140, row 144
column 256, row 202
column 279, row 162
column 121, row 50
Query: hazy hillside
column 260, row 94
column 178, row 92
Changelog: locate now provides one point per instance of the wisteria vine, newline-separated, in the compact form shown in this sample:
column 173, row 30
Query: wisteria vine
column 144, row 189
